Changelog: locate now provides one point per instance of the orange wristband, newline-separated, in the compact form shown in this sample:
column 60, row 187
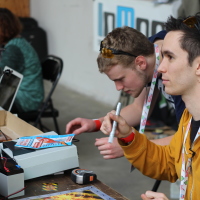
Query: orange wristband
column 98, row 124
column 129, row 138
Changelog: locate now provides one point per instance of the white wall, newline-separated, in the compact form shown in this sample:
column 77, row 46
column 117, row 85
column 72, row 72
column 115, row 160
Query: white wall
column 69, row 27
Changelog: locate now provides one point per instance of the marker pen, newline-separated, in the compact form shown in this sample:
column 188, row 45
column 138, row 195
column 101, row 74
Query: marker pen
column 112, row 133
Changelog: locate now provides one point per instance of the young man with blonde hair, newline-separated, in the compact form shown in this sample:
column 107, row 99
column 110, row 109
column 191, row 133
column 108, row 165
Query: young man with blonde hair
column 118, row 51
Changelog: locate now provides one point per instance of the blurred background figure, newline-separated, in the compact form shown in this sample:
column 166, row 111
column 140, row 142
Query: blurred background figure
column 20, row 56
column 188, row 8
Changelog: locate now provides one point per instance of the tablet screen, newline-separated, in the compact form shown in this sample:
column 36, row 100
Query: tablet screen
column 9, row 85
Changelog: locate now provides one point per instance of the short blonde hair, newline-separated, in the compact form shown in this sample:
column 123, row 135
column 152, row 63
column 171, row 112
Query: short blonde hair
column 125, row 39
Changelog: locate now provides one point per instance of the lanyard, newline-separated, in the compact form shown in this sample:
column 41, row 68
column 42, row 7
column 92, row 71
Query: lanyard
column 185, row 170
column 147, row 104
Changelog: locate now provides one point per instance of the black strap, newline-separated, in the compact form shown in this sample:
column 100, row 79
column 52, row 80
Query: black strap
column 156, row 185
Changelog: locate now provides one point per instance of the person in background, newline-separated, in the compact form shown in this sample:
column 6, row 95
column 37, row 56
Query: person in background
column 187, row 8
column 180, row 69
column 20, row 56
column 127, row 45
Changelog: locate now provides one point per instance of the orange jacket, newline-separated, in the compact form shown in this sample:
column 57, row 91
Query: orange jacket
column 164, row 162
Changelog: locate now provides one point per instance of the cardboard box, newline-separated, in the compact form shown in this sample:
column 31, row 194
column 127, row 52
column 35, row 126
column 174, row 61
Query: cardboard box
column 14, row 127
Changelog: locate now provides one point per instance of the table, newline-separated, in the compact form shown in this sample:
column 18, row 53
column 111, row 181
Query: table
column 34, row 186
column 166, row 131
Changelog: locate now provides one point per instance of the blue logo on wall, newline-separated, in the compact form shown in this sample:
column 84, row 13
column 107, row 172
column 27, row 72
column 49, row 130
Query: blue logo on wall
column 124, row 17
column 126, row 12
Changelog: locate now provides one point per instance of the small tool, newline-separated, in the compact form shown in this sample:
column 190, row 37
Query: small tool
column 112, row 133
column 83, row 176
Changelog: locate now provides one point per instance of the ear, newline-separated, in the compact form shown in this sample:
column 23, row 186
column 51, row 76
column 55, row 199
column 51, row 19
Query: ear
column 198, row 73
column 141, row 63
column 198, row 66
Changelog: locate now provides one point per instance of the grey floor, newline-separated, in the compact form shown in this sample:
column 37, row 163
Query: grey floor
column 114, row 173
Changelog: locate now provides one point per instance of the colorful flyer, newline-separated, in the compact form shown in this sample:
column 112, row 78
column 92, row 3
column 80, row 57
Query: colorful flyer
column 39, row 142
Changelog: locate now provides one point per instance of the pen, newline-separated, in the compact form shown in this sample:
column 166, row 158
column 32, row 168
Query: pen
column 112, row 133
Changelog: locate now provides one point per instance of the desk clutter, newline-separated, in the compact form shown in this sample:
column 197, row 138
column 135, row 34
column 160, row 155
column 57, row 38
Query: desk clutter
column 25, row 164
column 27, row 153
column 28, row 168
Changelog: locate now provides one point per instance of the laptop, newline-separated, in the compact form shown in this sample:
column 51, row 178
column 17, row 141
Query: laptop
column 9, row 85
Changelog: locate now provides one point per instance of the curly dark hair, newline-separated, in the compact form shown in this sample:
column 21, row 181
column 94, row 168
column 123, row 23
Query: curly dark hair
column 10, row 25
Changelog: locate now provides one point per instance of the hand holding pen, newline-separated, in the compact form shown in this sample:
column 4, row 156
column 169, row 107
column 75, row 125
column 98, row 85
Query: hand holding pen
column 120, row 128
column 112, row 133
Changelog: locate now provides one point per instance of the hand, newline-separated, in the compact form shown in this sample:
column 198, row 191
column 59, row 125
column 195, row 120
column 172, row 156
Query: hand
column 109, row 150
column 123, row 129
column 149, row 195
column 80, row 125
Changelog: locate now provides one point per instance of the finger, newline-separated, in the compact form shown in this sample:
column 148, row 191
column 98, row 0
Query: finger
column 101, row 141
column 151, row 194
column 70, row 125
column 105, row 152
column 113, row 112
column 114, row 117
column 67, row 128
column 72, row 129
column 82, row 129
column 106, row 157
column 144, row 197
column 105, row 147
column 155, row 195
column 106, row 125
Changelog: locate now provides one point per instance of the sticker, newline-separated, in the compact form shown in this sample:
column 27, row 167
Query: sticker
column 49, row 186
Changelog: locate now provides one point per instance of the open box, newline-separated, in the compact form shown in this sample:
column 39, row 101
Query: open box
column 14, row 127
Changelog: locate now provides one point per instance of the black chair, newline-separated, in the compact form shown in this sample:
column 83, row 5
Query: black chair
column 51, row 69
